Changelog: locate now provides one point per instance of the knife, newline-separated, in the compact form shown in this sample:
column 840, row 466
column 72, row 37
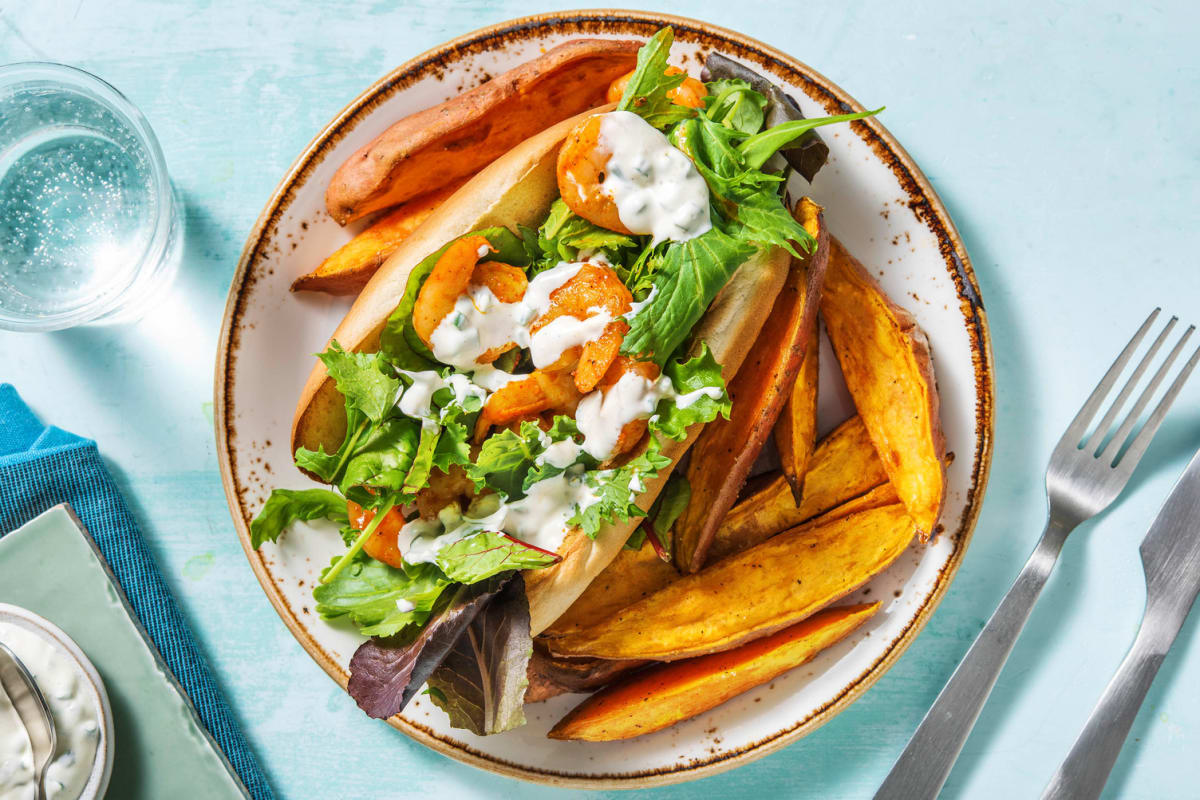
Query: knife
column 1171, row 560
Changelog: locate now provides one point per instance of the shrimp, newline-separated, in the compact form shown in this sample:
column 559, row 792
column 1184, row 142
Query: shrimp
column 541, row 390
column 452, row 277
column 447, row 281
column 581, row 165
column 690, row 93
column 633, row 431
column 382, row 544
column 593, row 286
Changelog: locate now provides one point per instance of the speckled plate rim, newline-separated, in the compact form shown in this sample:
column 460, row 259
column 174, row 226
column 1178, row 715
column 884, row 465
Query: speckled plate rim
column 922, row 199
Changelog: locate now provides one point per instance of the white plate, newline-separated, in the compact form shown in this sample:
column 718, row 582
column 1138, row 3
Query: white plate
column 876, row 201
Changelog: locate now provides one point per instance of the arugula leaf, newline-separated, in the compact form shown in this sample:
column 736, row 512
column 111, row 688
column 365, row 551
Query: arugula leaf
column 487, row 553
column 646, row 92
column 399, row 342
column 761, row 146
column 382, row 457
column 691, row 275
column 615, row 489
column 286, row 506
column 386, row 674
column 735, row 105
column 360, row 380
column 367, row 592
column 697, row 374
column 482, row 680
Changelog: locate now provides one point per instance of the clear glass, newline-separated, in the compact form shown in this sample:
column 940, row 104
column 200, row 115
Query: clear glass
column 89, row 230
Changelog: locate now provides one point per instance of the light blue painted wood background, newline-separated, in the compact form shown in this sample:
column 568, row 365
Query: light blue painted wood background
column 1063, row 140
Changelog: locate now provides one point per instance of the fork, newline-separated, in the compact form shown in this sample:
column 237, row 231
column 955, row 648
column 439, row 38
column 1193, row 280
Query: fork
column 1085, row 475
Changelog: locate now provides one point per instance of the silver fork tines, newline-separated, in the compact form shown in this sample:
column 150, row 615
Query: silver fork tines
column 1087, row 472
column 1085, row 475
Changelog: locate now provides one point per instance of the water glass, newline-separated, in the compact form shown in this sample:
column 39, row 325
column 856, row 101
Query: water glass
column 89, row 230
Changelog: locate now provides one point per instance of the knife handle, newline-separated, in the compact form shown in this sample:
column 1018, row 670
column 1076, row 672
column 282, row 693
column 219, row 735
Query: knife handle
column 1086, row 768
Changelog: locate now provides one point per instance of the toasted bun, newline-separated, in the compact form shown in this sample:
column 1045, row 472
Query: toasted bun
column 518, row 188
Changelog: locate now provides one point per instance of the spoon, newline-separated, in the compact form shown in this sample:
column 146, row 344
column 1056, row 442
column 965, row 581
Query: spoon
column 31, row 707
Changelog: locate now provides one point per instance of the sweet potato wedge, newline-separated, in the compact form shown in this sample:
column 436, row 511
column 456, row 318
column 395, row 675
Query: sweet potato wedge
column 666, row 694
column 349, row 268
column 629, row 577
column 751, row 594
column 460, row 136
column 844, row 465
column 796, row 428
column 882, row 495
column 726, row 449
column 550, row 676
column 885, row 360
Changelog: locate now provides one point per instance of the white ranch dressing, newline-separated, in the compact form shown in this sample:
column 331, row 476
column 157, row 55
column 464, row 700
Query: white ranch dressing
column 416, row 400
column 538, row 519
column 480, row 322
column 76, row 719
column 656, row 187
column 603, row 413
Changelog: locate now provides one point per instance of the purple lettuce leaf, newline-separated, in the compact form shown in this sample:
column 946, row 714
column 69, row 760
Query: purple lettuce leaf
column 481, row 683
column 385, row 674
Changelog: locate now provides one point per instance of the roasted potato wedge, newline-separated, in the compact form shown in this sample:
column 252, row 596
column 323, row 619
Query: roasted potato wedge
column 550, row 676
column 665, row 694
column 629, row 577
column 751, row 594
column 882, row 495
column 844, row 465
column 424, row 151
column 796, row 428
column 885, row 360
column 349, row 268
column 727, row 449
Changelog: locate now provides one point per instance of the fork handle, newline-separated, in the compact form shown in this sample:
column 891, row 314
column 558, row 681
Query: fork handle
column 926, row 762
column 1085, row 770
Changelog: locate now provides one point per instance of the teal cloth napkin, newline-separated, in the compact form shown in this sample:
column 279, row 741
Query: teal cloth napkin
column 42, row 466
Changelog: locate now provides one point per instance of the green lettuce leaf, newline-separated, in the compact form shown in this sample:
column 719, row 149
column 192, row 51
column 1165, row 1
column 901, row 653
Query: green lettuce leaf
column 691, row 275
column 286, row 506
column 667, row 508
column 360, row 379
column 646, row 92
column 565, row 233
column 699, row 372
column 487, row 553
column 506, row 458
column 735, row 105
column 366, row 592
column 382, row 456
column 615, row 489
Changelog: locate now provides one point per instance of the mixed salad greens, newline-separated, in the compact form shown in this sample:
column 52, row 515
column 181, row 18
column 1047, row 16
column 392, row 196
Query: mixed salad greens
column 452, row 613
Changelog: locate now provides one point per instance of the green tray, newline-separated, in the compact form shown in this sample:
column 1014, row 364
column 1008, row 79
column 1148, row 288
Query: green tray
column 51, row 567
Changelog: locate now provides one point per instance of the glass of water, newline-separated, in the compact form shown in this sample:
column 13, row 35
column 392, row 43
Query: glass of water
column 89, row 230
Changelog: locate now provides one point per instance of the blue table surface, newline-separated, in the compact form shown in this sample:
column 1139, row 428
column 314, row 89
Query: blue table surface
column 1063, row 140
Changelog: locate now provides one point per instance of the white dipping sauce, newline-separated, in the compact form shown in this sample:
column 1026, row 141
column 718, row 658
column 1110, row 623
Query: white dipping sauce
column 656, row 187
column 76, row 718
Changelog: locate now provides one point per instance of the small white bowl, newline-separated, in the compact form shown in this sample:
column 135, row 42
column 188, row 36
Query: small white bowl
column 102, row 766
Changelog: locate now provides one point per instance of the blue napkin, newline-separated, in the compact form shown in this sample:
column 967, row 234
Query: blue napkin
column 42, row 466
